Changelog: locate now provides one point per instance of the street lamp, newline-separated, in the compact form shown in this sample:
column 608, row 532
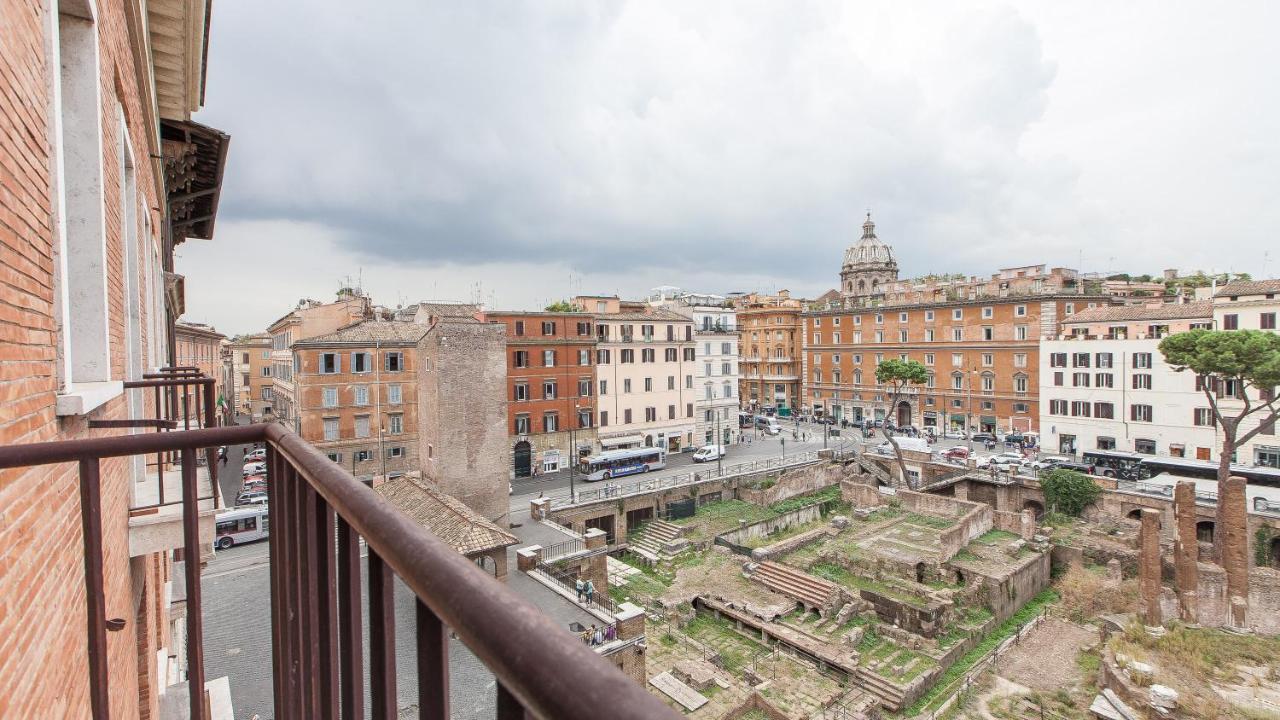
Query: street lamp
column 573, row 451
column 711, row 395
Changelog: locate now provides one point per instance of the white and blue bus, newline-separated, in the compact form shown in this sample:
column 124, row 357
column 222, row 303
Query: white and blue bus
column 616, row 463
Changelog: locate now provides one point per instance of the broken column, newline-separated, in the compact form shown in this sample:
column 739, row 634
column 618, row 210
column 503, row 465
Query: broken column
column 1186, row 551
column 1149, row 566
column 1233, row 530
column 597, row 568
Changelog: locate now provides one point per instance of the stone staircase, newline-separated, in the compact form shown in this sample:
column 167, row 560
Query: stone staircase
column 877, row 471
column 813, row 592
column 891, row 696
column 658, row 540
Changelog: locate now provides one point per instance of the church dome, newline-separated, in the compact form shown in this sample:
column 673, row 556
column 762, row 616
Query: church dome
column 868, row 250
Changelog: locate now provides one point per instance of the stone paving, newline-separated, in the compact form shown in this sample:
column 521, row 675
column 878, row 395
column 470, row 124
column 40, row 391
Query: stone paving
column 237, row 631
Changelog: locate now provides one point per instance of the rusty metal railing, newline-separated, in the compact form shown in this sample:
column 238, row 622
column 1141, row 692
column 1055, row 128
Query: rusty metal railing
column 318, row 513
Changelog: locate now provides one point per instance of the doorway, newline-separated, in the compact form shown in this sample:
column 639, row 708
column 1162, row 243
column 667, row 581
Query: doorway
column 523, row 455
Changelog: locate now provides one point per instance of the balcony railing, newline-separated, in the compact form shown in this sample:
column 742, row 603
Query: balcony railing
column 318, row 513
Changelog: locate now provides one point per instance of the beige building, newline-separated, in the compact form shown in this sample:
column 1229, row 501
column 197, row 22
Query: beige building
column 645, row 368
column 309, row 319
column 1250, row 305
column 251, row 368
column 771, row 345
column 356, row 396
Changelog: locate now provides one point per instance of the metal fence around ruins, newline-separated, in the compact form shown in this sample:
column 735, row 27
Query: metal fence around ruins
column 617, row 490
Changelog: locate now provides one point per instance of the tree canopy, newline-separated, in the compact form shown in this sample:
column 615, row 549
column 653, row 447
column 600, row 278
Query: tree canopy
column 1249, row 356
column 1069, row 492
column 561, row 306
column 900, row 373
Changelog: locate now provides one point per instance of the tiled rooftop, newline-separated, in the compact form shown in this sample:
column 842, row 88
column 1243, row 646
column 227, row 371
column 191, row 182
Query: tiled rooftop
column 1249, row 287
column 1165, row 311
column 370, row 331
column 445, row 516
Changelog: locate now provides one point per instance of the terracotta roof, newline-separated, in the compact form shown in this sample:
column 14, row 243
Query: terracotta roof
column 445, row 516
column 653, row 314
column 1249, row 287
column 1120, row 313
column 449, row 309
column 367, row 332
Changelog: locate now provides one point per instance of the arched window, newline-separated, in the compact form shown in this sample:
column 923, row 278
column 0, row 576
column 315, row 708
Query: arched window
column 1020, row 383
column 857, row 377
column 862, row 286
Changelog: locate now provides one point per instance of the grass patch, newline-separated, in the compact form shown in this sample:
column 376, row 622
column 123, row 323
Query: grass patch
column 827, row 494
column 735, row 649
column 965, row 555
column 783, row 534
column 943, row 687
column 716, row 517
column 1207, row 652
column 991, row 537
column 930, row 521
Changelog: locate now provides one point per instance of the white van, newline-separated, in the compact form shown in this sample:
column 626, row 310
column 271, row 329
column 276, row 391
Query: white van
column 708, row 453
column 241, row 525
column 768, row 424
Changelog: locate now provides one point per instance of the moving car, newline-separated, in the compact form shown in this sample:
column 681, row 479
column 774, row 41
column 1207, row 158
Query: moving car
column 953, row 434
column 985, row 437
column 768, row 424
column 1047, row 462
column 959, row 452
column 1003, row 461
column 707, row 453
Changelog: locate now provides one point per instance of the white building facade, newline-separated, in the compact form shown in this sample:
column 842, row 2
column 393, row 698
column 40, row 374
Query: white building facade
column 716, row 374
column 1105, row 394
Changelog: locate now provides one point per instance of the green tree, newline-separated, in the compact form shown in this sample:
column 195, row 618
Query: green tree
column 562, row 306
column 899, row 375
column 1239, row 365
column 1068, row 492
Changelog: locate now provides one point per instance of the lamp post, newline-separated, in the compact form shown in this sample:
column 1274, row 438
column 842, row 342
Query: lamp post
column 573, row 452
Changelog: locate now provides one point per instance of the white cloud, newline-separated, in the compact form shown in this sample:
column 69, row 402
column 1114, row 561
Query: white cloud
column 731, row 145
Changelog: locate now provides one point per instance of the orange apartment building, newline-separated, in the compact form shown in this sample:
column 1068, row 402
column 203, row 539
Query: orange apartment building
column 309, row 319
column 551, row 380
column 357, row 396
column 771, row 344
column 251, row 374
column 979, row 337
column 104, row 173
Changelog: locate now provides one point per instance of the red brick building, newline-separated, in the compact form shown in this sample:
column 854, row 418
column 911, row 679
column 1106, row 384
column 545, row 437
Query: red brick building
column 97, row 189
column 551, row 378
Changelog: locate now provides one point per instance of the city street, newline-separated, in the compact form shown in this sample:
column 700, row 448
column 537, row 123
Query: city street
column 556, row 485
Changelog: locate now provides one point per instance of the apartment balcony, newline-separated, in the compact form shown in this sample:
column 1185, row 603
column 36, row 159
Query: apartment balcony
column 780, row 378
column 328, row 645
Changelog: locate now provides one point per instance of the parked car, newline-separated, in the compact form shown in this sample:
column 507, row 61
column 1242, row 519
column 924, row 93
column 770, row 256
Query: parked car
column 1003, row 460
column 255, row 468
column 959, row 452
column 251, row 498
column 1047, row 462
column 256, row 455
column 953, row 435
column 707, row 453
column 1014, row 438
column 1078, row 467
column 984, row 437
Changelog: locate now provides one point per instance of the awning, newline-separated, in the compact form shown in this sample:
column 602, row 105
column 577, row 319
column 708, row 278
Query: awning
column 621, row 440
column 988, row 419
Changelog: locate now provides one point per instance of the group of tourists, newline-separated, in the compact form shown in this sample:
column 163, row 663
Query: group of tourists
column 586, row 590
column 594, row 636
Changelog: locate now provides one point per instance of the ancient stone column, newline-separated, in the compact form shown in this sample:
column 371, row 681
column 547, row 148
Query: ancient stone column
column 1186, row 551
column 1233, row 529
column 1149, row 566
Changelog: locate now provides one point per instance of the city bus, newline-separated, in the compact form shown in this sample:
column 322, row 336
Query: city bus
column 616, row 463
column 1206, row 470
column 1114, row 463
column 241, row 525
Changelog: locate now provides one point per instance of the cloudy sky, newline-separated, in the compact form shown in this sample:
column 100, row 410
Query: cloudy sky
column 522, row 152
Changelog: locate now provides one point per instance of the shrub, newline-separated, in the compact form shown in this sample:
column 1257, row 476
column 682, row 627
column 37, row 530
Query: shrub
column 1068, row 491
column 1085, row 597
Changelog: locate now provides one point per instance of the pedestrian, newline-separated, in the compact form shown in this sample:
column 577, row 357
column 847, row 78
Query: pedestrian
column 586, row 636
column 610, row 633
column 589, row 590
column 581, row 587
column 598, row 637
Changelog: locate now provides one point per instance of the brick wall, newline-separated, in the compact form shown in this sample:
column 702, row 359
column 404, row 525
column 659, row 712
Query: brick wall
column 462, row 428
column 43, row 648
